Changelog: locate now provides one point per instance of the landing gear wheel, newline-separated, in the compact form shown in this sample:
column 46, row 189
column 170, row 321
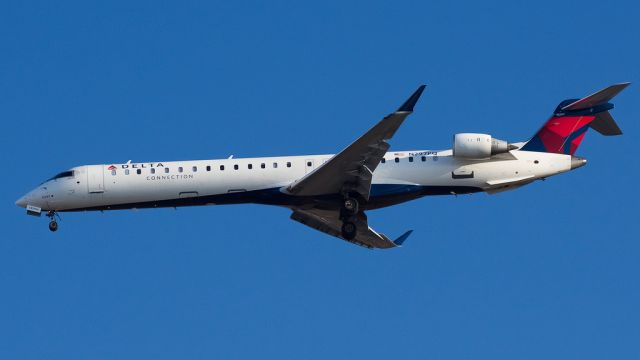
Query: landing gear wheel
column 350, row 206
column 53, row 224
column 349, row 230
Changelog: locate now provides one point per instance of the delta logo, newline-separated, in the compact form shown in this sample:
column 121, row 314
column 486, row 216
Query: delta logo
column 135, row 166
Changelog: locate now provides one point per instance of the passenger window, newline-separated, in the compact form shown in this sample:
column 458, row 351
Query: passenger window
column 397, row 160
column 208, row 168
column 250, row 166
column 113, row 172
column 383, row 160
column 166, row 170
column 410, row 158
column 309, row 163
column 424, row 158
column 221, row 167
column 153, row 170
column 138, row 171
column 235, row 167
column 195, row 169
column 288, row 164
column 126, row 171
column 180, row 169
column 263, row 166
column 275, row 165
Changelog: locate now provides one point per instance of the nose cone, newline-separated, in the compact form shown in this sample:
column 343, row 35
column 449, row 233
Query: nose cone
column 577, row 162
column 22, row 202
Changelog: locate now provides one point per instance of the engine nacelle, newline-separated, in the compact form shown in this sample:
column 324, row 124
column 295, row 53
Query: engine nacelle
column 478, row 146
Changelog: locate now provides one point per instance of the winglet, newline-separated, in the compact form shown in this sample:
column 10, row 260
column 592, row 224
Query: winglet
column 411, row 101
column 402, row 237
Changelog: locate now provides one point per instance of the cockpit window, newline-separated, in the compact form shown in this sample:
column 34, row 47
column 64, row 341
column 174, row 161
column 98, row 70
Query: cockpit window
column 64, row 174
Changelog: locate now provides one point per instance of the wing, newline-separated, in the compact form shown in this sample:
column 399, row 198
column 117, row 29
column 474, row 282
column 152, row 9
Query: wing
column 329, row 222
column 353, row 167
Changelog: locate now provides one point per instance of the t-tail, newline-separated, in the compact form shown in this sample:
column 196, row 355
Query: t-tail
column 564, row 131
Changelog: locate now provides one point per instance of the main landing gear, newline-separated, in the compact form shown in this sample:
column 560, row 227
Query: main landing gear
column 53, row 224
column 350, row 208
column 349, row 230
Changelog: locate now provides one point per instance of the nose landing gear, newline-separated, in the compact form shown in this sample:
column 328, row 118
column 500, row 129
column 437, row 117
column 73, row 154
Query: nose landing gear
column 53, row 224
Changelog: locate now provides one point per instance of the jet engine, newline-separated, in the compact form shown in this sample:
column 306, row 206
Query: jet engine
column 478, row 146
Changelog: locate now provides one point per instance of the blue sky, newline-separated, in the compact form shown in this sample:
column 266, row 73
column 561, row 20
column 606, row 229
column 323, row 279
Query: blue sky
column 548, row 271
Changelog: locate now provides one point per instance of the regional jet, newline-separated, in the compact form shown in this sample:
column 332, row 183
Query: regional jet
column 332, row 193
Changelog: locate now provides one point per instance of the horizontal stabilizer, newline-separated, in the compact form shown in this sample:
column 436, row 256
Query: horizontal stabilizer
column 599, row 98
column 605, row 125
column 565, row 130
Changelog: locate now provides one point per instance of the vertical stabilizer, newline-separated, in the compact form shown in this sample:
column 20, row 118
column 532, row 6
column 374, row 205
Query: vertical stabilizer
column 564, row 131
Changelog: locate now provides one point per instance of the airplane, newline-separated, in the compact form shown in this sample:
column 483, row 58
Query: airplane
column 332, row 193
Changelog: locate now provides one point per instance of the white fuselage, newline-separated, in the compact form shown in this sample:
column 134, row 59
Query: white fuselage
column 264, row 180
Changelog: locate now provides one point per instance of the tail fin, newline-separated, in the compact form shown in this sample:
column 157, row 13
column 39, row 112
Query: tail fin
column 564, row 131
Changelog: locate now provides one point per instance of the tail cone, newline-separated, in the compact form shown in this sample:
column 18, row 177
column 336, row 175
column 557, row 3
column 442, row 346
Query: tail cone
column 577, row 162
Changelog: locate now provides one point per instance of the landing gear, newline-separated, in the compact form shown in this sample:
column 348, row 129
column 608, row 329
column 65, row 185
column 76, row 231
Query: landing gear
column 349, row 230
column 350, row 206
column 348, row 213
column 53, row 224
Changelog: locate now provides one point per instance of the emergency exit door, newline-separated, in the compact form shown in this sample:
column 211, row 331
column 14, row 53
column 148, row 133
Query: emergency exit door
column 95, row 178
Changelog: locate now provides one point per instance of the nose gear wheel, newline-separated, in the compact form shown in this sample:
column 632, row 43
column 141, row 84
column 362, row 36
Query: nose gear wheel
column 53, row 224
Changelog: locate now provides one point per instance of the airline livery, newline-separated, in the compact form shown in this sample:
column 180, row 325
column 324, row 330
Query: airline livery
column 331, row 193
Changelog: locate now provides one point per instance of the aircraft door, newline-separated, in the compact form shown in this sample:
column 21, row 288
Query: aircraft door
column 95, row 179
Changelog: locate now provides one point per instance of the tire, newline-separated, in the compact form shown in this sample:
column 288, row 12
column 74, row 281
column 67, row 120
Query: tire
column 350, row 206
column 349, row 230
column 53, row 226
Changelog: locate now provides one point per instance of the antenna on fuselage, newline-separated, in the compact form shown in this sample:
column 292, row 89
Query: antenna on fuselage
column 230, row 157
column 128, row 161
